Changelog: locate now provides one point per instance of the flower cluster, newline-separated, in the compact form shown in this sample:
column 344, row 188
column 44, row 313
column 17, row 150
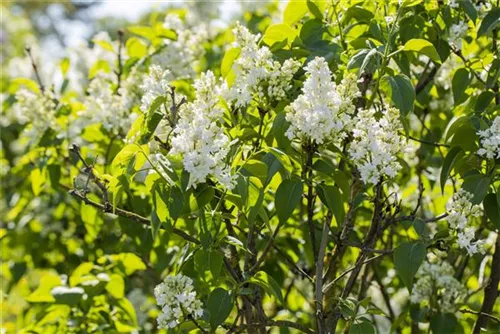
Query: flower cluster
column 323, row 111
column 457, row 32
column 36, row 109
column 490, row 140
column 257, row 75
column 177, row 298
column 182, row 56
column 199, row 138
column 460, row 209
column 376, row 144
column 154, row 85
column 435, row 281
column 105, row 107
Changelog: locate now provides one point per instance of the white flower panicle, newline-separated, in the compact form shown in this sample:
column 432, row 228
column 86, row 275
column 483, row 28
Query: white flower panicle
column 199, row 138
column 460, row 210
column 154, row 85
column 182, row 56
column 36, row 109
column 257, row 75
column 490, row 140
column 177, row 298
column 323, row 111
column 436, row 280
column 376, row 145
column 103, row 106
column 457, row 32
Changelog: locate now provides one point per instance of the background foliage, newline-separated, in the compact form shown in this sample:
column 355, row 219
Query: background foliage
column 90, row 224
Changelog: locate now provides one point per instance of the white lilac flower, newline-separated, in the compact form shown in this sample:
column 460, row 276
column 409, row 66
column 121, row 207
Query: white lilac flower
column 460, row 210
column 490, row 140
column 182, row 56
column 376, row 144
column 154, row 85
column 177, row 298
column 324, row 111
column 257, row 75
column 200, row 139
column 436, row 280
column 36, row 109
column 453, row 4
column 105, row 107
column 457, row 32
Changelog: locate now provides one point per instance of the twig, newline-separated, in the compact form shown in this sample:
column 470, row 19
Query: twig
column 130, row 215
column 329, row 285
column 278, row 323
column 492, row 317
column 422, row 84
column 427, row 142
column 119, row 72
column 35, row 69
column 270, row 243
column 320, row 262
column 491, row 290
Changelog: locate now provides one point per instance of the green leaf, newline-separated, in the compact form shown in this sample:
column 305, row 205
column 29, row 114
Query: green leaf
column 492, row 209
column 483, row 101
column 219, row 305
column 461, row 80
column 215, row 260
column 116, row 286
column 66, row 295
column 152, row 119
column 136, row 47
column 143, row 31
column 38, row 180
column 469, row 9
column 449, row 162
column 288, row 196
column 490, row 22
column 227, row 62
column 424, row 47
column 256, row 168
column 363, row 327
column 478, row 185
column 294, row 12
column 314, row 9
column 268, row 283
column 408, row 257
column 444, row 323
column 402, row 92
column 279, row 32
column 332, row 198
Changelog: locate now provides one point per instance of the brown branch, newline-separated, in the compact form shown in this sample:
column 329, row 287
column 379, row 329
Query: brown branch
column 320, row 320
column 423, row 83
column 277, row 323
column 119, row 72
column 491, row 290
column 35, row 69
column 129, row 215
column 427, row 142
column 492, row 317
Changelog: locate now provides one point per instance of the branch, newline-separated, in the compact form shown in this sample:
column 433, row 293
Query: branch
column 427, row 142
column 422, row 84
column 278, row 323
column 491, row 290
column 320, row 320
column 492, row 317
column 329, row 285
column 35, row 69
column 119, row 72
column 127, row 214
